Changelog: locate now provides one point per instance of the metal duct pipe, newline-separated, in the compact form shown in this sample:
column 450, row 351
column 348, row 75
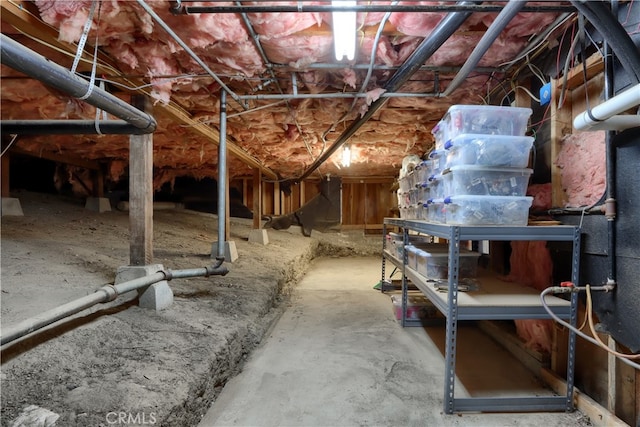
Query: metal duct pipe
column 179, row 9
column 336, row 95
column 492, row 33
column 445, row 28
column 187, row 49
column 338, row 66
column 69, row 127
column 222, row 176
column 22, row 59
column 104, row 294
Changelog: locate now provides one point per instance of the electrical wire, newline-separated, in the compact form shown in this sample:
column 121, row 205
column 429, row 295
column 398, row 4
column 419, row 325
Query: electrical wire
column 536, row 71
column 565, row 70
column 84, row 36
column 547, row 291
column 66, row 52
column 542, row 43
column 595, row 334
column 15, row 136
column 374, row 49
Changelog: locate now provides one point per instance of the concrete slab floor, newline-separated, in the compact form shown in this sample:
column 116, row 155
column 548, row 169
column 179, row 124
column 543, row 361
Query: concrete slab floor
column 338, row 357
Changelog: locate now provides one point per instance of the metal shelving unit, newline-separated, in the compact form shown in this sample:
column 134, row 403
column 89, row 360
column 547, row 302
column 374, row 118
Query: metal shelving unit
column 495, row 300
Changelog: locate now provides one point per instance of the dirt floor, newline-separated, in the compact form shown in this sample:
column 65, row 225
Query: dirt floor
column 163, row 368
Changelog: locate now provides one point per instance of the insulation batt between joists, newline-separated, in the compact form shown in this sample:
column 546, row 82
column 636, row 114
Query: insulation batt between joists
column 138, row 45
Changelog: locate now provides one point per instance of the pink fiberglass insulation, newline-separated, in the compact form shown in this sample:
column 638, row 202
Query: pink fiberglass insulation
column 583, row 164
column 531, row 265
column 541, row 194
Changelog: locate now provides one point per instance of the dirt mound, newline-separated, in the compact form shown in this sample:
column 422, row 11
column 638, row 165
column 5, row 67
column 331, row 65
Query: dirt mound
column 118, row 360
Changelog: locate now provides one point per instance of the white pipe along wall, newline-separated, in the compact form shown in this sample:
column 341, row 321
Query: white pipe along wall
column 606, row 116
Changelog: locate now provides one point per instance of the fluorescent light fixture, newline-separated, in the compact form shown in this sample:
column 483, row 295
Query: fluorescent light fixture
column 344, row 30
column 346, row 156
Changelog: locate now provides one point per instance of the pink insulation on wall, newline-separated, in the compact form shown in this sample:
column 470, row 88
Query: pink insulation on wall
column 582, row 163
column 531, row 265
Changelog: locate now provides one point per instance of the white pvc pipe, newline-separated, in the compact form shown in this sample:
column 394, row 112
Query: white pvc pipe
column 601, row 114
column 618, row 123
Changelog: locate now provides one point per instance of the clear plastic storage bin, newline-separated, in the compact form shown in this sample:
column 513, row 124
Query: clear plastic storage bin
column 436, row 212
column 488, row 150
column 423, row 170
column 439, row 135
column 439, row 160
column 487, row 210
column 485, row 119
column 436, row 187
column 435, row 264
column 485, row 181
column 418, row 307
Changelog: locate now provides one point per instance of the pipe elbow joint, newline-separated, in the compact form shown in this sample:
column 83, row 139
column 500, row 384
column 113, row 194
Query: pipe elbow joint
column 216, row 270
column 610, row 286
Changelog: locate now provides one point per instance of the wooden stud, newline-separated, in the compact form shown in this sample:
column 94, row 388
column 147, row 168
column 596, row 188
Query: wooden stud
column 97, row 177
column 257, row 199
column 560, row 127
column 245, row 191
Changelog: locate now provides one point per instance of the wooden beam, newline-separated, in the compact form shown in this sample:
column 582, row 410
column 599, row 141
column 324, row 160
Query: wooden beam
column 65, row 159
column 368, row 180
column 361, row 227
column 141, row 195
column 575, row 76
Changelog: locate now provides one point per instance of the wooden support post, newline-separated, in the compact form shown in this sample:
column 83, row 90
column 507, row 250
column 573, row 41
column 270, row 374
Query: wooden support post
column 97, row 177
column 5, row 174
column 277, row 210
column 303, row 197
column 141, row 193
column 245, row 190
column 257, row 199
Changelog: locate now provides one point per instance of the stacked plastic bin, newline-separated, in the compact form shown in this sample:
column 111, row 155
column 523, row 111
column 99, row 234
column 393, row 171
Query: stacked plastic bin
column 483, row 156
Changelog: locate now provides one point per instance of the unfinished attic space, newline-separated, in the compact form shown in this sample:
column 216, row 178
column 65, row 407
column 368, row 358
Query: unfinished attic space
column 320, row 213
